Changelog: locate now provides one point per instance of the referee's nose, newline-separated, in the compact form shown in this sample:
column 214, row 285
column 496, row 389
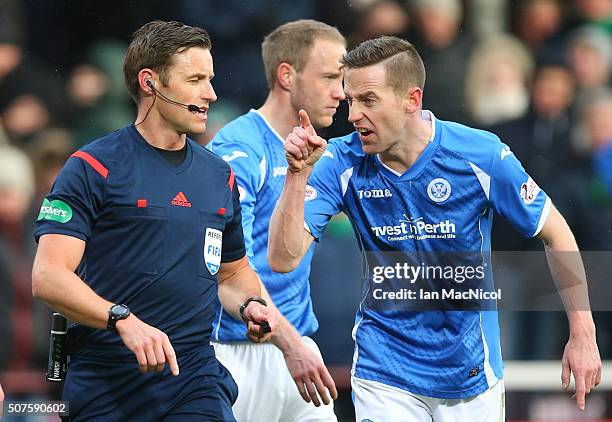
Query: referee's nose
column 208, row 93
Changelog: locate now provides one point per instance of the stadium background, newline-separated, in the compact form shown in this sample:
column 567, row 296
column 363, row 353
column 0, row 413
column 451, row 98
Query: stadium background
column 536, row 72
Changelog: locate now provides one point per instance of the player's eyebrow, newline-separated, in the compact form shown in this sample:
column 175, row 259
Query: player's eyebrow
column 364, row 95
column 332, row 74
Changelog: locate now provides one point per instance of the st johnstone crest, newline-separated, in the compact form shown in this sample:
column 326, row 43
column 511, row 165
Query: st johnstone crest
column 439, row 190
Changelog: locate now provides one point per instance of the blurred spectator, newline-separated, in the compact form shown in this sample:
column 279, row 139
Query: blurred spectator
column 445, row 50
column 11, row 20
column 16, row 185
column 30, row 94
column 3, row 138
column 597, row 122
column 598, row 119
column 597, row 12
column 590, row 58
column 16, row 191
column 48, row 151
column 380, row 17
column 96, row 90
column 237, row 28
column 539, row 25
column 498, row 75
column 486, row 17
column 541, row 140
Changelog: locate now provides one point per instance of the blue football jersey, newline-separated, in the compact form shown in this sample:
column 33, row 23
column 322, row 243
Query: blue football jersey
column 255, row 152
column 443, row 203
column 156, row 234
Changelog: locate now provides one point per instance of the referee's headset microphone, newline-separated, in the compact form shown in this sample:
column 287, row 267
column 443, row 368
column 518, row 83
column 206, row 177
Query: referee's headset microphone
column 191, row 107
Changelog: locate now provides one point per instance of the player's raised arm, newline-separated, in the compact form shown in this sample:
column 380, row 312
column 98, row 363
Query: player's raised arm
column 288, row 239
column 581, row 355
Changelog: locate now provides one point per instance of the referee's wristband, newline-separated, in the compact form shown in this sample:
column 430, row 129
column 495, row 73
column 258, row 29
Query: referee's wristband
column 249, row 300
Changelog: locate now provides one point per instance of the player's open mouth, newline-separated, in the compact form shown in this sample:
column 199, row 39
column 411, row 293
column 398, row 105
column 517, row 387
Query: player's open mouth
column 363, row 132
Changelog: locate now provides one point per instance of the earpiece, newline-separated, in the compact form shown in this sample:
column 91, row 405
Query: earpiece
column 191, row 107
column 150, row 84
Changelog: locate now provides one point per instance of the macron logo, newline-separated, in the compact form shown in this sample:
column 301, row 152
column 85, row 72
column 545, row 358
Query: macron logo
column 505, row 152
column 235, row 154
column 181, row 200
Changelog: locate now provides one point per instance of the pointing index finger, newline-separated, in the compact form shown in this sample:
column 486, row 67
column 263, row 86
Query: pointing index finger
column 305, row 121
column 170, row 357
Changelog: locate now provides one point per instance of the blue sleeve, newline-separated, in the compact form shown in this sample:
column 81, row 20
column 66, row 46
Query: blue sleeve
column 245, row 163
column 233, row 239
column 324, row 193
column 515, row 195
column 75, row 202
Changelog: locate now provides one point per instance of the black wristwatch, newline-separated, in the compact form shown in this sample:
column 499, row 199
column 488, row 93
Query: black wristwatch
column 116, row 313
column 249, row 300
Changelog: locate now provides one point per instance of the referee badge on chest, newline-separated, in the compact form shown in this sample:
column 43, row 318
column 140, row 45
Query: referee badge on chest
column 213, row 241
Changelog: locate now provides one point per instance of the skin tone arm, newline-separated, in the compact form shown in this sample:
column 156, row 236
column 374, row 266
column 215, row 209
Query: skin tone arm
column 237, row 283
column 55, row 283
column 581, row 355
column 287, row 245
column 288, row 240
column 305, row 366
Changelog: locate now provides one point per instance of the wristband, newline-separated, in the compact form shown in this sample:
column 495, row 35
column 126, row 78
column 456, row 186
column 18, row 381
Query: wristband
column 249, row 300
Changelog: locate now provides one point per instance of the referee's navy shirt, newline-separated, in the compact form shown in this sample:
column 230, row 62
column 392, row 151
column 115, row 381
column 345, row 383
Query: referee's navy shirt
column 155, row 235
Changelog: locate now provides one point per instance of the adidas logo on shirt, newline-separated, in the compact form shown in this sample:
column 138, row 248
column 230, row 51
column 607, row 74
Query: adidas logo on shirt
column 181, row 200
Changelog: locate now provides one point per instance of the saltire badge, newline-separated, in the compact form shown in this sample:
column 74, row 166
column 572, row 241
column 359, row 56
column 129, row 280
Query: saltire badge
column 213, row 241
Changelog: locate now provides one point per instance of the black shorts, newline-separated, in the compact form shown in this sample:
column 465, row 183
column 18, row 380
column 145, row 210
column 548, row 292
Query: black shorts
column 98, row 389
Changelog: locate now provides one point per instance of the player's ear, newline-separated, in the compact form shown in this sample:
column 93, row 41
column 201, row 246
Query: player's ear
column 285, row 76
column 413, row 100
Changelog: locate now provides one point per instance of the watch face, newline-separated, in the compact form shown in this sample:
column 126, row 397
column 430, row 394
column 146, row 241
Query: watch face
column 120, row 311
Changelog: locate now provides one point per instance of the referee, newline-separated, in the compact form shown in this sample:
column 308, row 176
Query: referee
column 139, row 236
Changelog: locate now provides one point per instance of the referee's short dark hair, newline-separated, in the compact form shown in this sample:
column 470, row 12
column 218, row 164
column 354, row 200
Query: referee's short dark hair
column 154, row 45
column 403, row 64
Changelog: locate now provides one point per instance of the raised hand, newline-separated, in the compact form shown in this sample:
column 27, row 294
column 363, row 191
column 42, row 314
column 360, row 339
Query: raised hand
column 303, row 147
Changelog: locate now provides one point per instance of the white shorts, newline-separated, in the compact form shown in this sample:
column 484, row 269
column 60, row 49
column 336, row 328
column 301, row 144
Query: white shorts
column 266, row 391
column 377, row 402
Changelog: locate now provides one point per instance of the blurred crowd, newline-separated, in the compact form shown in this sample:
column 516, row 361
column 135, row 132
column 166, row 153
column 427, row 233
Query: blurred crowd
column 535, row 72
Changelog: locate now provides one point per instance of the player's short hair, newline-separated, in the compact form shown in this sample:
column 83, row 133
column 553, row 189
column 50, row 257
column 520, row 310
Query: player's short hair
column 154, row 45
column 403, row 64
column 292, row 42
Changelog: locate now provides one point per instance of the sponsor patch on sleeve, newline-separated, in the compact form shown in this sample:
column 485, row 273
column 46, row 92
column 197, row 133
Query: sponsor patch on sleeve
column 55, row 210
column 310, row 193
column 529, row 191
